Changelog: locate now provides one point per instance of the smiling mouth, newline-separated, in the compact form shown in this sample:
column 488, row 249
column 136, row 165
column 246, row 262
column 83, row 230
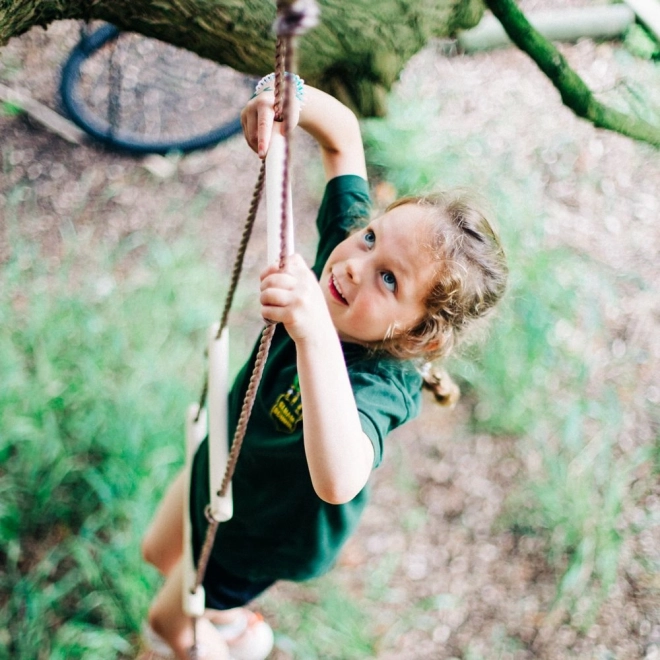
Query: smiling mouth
column 335, row 291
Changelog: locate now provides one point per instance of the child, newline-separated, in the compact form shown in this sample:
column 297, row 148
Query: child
column 378, row 299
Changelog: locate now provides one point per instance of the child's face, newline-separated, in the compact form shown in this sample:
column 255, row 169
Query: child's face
column 376, row 280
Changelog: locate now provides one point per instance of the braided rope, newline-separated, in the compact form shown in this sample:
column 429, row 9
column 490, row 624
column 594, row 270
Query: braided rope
column 247, row 232
column 293, row 17
column 284, row 61
column 280, row 55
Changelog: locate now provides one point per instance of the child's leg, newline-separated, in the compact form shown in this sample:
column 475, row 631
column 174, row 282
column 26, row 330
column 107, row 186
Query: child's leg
column 167, row 619
column 162, row 545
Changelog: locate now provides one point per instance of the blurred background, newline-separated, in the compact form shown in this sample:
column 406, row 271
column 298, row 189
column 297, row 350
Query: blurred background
column 524, row 523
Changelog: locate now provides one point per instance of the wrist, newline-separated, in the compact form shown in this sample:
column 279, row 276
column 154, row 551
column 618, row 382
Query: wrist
column 320, row 336
column 267, row 84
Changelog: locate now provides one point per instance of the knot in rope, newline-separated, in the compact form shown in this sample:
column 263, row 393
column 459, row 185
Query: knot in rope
column 294, row 17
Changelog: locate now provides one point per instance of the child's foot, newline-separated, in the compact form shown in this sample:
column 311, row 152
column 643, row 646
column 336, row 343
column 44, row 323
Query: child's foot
column 248, row 637
column 156, row 648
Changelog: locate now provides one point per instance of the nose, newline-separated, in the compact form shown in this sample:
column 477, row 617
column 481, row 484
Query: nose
column 353, row 270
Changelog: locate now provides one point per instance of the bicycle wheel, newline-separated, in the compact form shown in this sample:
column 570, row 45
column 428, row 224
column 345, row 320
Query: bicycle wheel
column 144, row 96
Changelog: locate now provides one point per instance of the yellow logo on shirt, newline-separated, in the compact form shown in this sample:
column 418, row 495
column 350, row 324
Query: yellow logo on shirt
column 287, row 409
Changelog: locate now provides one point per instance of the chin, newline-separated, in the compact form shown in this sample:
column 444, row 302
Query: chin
column 350, row 339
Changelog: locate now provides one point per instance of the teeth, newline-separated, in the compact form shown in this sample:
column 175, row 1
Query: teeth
column 336, row 285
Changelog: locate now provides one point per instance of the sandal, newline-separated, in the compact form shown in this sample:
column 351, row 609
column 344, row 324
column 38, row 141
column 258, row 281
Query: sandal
column 248, row 638
column 156, row 648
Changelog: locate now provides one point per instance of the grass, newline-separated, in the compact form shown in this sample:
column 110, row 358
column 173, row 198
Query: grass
column 325, row 623
column 101, row 351
column 641, row 43
column 97, row 368
column 8, row 109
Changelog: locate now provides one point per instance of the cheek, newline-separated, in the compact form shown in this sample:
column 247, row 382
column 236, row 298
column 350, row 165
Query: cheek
column 413, row 317
column 370, row 312
column 340, row 250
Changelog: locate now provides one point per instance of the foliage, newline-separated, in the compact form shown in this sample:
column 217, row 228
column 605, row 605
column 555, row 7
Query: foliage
column 101, row 355
column 326, row 624
column 641, row 43
column 8, row 109
column 538, row 373
column 97, row 371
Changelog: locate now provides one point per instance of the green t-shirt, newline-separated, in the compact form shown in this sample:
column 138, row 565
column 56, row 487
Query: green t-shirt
column 281, row 529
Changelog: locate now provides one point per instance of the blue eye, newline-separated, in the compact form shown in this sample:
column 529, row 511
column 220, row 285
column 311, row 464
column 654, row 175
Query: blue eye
column 389, row 280
column 369, row 237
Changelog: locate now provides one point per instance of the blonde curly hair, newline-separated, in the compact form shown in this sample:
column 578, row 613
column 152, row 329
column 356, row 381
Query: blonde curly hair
column 471, row 276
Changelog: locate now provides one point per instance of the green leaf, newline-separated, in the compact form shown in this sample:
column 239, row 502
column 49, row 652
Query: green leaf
column 641, row 43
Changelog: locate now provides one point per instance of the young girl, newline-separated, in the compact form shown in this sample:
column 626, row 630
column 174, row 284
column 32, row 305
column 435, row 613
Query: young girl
column 342, row 373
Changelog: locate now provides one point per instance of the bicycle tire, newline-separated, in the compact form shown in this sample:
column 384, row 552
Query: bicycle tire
column 101, row 130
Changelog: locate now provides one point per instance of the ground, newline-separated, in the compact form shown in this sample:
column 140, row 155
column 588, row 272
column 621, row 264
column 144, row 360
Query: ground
column 439, row 497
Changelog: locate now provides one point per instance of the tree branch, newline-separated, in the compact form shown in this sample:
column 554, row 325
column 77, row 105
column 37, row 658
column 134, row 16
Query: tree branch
column 43, row 114
column 356, row 53
column 574, row 92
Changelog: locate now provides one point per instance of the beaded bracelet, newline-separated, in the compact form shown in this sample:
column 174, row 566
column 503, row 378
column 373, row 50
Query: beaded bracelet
column 264, row 83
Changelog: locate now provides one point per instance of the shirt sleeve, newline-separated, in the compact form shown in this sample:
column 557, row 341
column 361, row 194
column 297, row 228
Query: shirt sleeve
column 344, row 207
column 385, row 401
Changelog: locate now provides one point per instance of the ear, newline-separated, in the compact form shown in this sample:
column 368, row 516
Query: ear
column 433, row 345
column 441, row 342
column 438, row 345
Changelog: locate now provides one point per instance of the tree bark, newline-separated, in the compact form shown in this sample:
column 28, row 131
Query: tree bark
column 573, row 90
column 356, row 52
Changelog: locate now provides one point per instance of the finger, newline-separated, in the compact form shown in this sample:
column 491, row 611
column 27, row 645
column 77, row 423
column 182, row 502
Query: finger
column 245, row 123
column 276, row 299
column 272, row 315
column 264, row 129
column 250, row 127
column 278, row 280
column 296, row 266
column 273, row 268
column 275, row 309
column 269, row 270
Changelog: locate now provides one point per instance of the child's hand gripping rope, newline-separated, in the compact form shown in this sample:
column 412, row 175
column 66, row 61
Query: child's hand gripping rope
column 258, row 118
column 292, row 296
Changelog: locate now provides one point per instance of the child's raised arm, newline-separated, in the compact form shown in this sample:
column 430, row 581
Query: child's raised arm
column 327, row 120
column 337, row 131
column 339, row 454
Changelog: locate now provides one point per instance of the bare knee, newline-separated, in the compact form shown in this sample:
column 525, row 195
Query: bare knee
column 149, row 551
column 161, row 624
column 168, row 623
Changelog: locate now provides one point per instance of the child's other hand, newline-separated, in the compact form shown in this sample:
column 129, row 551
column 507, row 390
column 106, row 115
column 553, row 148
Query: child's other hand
column 293, row 297
column 258, row 118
